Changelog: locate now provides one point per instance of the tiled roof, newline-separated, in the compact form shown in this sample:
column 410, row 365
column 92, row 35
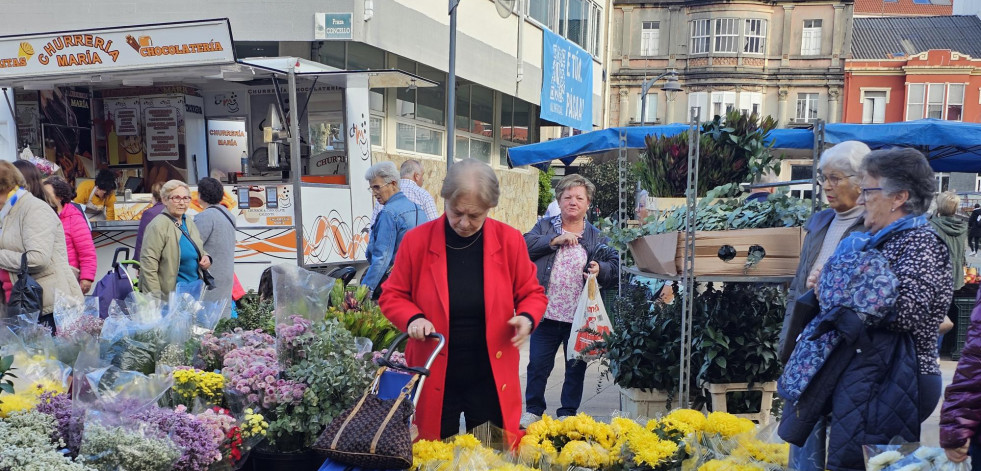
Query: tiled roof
column 889, row 37
column 903, row 7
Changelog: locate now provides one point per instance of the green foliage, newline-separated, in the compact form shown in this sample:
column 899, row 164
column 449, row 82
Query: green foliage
column 606, row 199
column 733, row 151
column 336, row 377
column 253, row 313
column 360, row 316
column 545, row 193
column 6, row 366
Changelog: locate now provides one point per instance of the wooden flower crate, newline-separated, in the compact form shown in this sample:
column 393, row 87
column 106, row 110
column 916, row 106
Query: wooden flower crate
column 664, row 253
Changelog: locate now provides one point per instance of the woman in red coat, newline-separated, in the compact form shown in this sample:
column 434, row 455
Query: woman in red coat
column 470, row 279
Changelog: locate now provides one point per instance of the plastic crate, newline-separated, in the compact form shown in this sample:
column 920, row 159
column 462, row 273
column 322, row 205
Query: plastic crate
column 963, row 306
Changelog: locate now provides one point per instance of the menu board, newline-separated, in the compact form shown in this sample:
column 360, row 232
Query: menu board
column 163, row 123
column 124, row 130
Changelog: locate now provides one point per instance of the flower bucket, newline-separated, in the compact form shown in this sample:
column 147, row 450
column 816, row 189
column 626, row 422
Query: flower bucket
column 639, row 403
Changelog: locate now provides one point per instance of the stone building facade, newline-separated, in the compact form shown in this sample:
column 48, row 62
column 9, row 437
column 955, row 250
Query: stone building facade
column 784, row 59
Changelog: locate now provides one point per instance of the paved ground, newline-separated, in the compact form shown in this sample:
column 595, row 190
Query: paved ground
column 601, row 398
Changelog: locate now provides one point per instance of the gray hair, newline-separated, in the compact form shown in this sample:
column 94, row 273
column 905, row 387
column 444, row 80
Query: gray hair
column 947, row 203
column 571, row 181
column 471, row 177
column 903, row 169
column 410, row 167
column 846, row 156
column 384, row 170
column 170, row 186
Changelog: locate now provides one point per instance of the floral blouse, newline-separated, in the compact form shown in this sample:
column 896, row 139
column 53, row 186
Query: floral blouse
column 566, row 283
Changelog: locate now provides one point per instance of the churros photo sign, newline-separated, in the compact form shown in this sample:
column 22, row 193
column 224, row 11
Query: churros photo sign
column 116, row 49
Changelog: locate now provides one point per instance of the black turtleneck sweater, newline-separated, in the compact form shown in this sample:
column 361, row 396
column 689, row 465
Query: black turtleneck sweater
column 465, row 283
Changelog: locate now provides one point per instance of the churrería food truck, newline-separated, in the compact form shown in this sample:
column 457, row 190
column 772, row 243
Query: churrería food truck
column 289, row 137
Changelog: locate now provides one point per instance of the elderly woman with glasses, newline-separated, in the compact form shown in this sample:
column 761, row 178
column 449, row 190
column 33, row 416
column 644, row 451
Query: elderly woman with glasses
column 172, row 250
column 839, row 178
column 869, row 357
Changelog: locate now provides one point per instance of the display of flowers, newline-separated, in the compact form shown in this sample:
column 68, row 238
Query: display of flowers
column 199, row 448
column 908, row 457
column 254, row 425
column 26, row 444
column 81, row 326
column 35, row 374
column 459, row 452
column 191, row 384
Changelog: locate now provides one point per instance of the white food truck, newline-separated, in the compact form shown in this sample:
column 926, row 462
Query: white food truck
column 289, row 137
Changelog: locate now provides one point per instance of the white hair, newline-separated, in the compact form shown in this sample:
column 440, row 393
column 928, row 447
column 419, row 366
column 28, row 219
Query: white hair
column 846, row 156
column 384, row 170
column 410, row 167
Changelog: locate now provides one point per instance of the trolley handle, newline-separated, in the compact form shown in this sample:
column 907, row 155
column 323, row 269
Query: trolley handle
column 423, row 370
column 115, row 256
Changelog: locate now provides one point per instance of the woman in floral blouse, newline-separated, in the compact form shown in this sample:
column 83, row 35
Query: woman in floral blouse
column 564, row 248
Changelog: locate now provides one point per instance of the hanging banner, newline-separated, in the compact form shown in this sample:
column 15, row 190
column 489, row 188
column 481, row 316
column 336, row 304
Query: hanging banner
column 115, row 49
column 567, row 83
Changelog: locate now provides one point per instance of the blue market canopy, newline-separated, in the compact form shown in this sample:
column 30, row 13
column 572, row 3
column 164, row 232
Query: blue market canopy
column 605, row 143
column 950, row 146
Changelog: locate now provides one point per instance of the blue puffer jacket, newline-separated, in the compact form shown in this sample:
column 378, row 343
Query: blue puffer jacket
column 870, row 390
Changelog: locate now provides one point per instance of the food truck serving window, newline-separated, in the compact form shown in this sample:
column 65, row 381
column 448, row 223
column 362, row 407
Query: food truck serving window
column 325, row 136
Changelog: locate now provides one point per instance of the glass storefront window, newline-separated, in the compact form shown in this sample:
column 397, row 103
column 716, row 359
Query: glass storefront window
column 507, row 116
column 482, row 111
column 429, row 141
column 375, row 130
column 362, row 56
column 463, row 107
column 431, row 100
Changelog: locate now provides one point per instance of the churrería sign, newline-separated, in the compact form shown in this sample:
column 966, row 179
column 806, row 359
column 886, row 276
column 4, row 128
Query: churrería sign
column 106, row 50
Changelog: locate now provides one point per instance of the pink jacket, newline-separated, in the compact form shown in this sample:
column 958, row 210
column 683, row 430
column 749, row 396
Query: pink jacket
column 78, row 241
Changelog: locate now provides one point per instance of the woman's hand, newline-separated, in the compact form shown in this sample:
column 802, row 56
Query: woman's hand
column 957, row 455
column 205, row 262
column 567, row 238
column 85, row 285
column 812, row 280
column 420, row 328
column 522, row 329
column 592, row 268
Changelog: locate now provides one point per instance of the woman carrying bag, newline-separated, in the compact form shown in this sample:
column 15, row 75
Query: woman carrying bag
column 172, row 248
column 31, row 232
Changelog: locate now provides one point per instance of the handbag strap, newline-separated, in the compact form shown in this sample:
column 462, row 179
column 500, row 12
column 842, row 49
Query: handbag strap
column 374, row 442
column 184, row 231
column 227, row 217
column 23, row 264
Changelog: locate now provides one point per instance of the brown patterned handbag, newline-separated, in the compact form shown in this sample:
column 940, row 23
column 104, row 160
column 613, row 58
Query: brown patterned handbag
column 372, row 434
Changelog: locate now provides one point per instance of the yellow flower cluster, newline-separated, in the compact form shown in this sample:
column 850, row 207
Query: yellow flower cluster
column 584, row 454
column 753, row 449
column 439, row 456
column 192, row 383
column 541, row 438
column 27, row 399
column 729, row 465
column 727, row 425
column 254, row 424
column 682, row 420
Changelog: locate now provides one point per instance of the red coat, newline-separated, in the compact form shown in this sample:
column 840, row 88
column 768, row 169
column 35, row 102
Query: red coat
column 418, row 284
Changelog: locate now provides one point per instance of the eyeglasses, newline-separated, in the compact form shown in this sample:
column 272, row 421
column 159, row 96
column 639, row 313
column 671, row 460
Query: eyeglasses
column 374, row 188
column 834, row 180
column 866, row 191
column 180, row 199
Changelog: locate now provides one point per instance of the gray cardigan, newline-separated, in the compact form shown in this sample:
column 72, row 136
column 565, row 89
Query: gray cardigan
column 597, row 250
column 218, row 235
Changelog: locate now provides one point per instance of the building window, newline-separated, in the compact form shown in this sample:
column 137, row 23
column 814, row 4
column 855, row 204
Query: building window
column 417, row 138
column 542, row 11
column 914, row 101
column 807, row 107
column 874, row 107
column 467, row 147
column 650, row 114
column 698, row 101
column 700, row 36
column 751, row 102
column 955, row 101
column 516, row 118
column 811, row 38
column 375, row 127
column 935, row 101
column 726, row 35
column 722, row 103
column 650, row 37
column 755, row 36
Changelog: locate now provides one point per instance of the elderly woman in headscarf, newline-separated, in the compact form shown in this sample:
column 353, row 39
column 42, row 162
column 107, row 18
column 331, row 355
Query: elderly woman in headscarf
column 838, row 174
column 469, row 278
column 869, row 358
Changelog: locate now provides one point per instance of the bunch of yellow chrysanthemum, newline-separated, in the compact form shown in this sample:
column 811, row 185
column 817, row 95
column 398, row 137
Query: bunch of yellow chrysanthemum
column 727, row 425
column 754, row 449
column 253, row 424
column 27, row 398
column 191, row 383
column 465, row 449
column 729, row 464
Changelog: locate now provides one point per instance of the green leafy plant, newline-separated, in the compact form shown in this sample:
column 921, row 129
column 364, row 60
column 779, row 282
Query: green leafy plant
column 545, row 193
column 253, row 313
column 729, row 151
column 604, row 176
column 6, row 366
column 359, row 315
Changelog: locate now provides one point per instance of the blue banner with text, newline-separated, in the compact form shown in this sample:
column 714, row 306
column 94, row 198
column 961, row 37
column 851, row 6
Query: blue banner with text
column 567, row 83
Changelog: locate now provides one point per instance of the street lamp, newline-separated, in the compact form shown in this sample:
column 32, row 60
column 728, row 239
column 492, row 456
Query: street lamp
column 671, row 86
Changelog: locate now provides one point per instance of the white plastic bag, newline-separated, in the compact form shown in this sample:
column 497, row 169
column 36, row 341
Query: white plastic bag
column 589, row 324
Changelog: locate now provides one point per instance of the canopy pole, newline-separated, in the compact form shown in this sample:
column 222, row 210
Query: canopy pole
column 622, row 194
column 815, row 158
column 296, row 167
column 688, row 268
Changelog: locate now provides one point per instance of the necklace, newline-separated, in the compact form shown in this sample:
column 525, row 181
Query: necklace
column 468, row 245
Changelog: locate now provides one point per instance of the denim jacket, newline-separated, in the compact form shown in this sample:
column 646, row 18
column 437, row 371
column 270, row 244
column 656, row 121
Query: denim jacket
column 395, row 219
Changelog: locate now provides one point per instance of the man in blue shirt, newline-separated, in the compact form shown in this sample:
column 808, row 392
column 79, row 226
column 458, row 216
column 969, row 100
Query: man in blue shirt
column 395, row 219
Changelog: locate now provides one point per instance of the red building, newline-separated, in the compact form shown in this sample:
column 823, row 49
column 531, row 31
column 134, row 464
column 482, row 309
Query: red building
column 903, row 7
column 904, row 68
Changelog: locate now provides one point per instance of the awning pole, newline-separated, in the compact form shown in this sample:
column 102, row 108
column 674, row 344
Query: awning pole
column 296, row 168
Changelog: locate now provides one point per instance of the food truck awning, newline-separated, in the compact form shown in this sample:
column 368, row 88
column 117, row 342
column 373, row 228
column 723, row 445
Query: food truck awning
column 194, row 52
